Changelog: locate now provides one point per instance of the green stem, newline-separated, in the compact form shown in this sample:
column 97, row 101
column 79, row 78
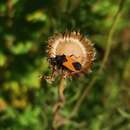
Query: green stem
column 104, row 61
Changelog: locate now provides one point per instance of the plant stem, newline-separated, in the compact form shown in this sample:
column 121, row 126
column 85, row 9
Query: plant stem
column 58, row 120
column 104, row 61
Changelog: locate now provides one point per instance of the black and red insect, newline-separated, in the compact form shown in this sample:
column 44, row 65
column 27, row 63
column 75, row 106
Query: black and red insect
column 66, row 63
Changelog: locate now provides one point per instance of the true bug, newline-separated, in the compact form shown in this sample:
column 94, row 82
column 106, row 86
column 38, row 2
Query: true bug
column 66, row 63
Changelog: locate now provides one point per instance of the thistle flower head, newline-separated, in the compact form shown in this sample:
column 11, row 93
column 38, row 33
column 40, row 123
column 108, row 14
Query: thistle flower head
column 73, row 46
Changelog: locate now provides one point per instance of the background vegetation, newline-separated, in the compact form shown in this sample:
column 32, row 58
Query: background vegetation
column 26, row 102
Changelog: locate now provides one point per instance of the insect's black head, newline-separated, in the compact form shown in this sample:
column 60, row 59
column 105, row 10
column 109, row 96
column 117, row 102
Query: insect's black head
column 77, row 65
column 58, row 60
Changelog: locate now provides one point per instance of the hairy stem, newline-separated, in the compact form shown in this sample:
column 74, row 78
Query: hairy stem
column 58, row 120
column 105, row 58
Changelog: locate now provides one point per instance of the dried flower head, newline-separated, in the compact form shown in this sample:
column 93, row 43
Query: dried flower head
column 70, row 53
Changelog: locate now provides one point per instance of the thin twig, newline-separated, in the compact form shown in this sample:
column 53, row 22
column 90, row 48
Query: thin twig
column 104, row 61
column 10, row 10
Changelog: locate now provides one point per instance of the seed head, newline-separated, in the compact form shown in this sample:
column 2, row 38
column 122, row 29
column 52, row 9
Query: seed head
column 73, row 45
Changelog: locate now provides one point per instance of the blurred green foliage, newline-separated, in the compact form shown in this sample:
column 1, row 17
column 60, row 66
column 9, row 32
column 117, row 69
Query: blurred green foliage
column 26, row 101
